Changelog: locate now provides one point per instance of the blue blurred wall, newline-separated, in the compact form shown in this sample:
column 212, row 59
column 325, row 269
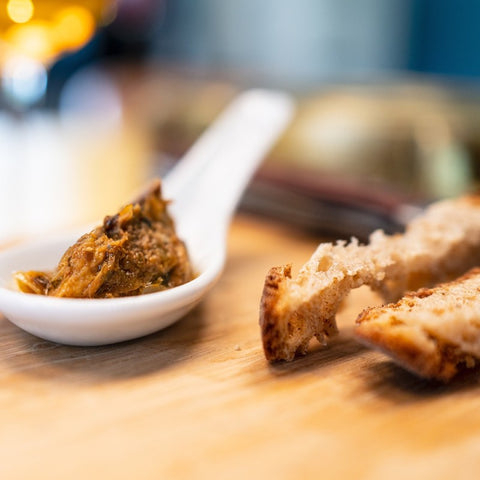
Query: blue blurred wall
column 292, row 40
column 313, row 40
column 446, row 37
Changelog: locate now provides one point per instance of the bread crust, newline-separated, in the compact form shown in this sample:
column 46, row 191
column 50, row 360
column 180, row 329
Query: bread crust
column 433, row 332
column 439, row 245
column 270, row 317
column 280, row 325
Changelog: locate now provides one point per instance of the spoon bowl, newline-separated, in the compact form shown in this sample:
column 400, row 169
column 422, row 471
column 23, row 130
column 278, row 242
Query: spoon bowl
column 205, row 188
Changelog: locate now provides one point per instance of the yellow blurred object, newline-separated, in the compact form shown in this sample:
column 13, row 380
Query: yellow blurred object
column 32, row 40
column 43, row 29
column 73, row 27
column 20, row 11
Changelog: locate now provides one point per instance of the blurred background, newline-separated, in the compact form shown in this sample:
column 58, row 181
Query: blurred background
column 98, row 96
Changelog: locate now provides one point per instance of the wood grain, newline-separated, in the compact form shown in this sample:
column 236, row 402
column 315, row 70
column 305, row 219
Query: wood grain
column 198, row 400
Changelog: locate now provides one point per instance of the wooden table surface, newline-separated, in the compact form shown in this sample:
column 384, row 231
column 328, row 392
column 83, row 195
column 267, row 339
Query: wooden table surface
column 198, row 400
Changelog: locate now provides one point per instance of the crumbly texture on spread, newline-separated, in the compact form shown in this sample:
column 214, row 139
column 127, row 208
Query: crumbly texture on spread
column 437, row 246
column 433, row 332
column 135, row 251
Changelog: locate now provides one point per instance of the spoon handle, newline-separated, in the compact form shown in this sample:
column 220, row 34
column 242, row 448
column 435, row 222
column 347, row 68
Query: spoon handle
column 209, row 181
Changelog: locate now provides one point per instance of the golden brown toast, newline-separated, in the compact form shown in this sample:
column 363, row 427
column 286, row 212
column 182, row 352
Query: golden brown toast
column 437, row 246
column 433, row 332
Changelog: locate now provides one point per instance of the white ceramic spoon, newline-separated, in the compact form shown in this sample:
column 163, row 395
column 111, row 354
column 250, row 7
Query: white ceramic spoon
column 205, row 188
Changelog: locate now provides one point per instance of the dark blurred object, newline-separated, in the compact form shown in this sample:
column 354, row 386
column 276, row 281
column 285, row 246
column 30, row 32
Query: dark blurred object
column 328, row 205
column 136, row 24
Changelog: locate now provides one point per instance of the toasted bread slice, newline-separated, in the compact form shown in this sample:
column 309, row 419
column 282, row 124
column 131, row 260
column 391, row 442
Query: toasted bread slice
column 432, row 332
column 437, row 246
